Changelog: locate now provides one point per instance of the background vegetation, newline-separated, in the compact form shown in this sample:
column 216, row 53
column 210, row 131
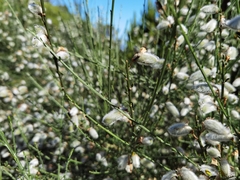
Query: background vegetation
column 39, row 138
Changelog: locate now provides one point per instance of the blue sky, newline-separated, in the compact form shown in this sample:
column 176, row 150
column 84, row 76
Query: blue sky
column 123, row 10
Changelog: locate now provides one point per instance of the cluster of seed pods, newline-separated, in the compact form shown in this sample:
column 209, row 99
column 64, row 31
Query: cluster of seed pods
column 214, row 134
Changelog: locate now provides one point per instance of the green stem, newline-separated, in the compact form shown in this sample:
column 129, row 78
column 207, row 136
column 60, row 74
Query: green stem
column 110, row 50
column 130, row 104
column 43, row 17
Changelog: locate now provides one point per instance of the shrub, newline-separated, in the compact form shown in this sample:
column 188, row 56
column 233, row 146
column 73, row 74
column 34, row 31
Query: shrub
column 76, row 106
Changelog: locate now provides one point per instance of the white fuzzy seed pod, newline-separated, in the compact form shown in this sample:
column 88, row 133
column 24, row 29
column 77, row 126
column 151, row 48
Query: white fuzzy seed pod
column 209, row 141
column 209, row 171
column 172, row 109
column 218, row 89
column 113, row 116
column 135, row 160
column 203, row 43
column 4, row 92
column 169, row 175
column 73, row 111
column 163, row 25
column 98, row 157
column 35, row 8
column 122, row 162
column 236, row 82
column 147, row 163
column 183, row 27
column 213, row 152
column 210, row 46
column 39, row 40
column 179, row 129
column 170, row 19
column 40, row 29
column 232, row 98
column 187, row 101
column 129, row 168
column 34, row 162
column 184, row 111
column 180, row 40
column 218, row 137
column 198, row 75
column 182, row 76
column 201, row 34
column 210, row 9
column 210, row 26
column 233, row 23
column 62, row 53
column 147, row 141
column 205, row 99
column 148, row 59
column 22, row 89
column 215, row 126
column 208, row 107
column 202, row 88
column 165, row 90
column 154, row 109
column 75, row 120
column 93, row 133
column 225, row 167
column 187, row 174
column 232, row 53
column 229, row 87
column 235, row 114
column 104, row 162
column 184, row 10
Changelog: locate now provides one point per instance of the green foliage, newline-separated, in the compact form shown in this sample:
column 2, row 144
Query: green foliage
column 58, row 121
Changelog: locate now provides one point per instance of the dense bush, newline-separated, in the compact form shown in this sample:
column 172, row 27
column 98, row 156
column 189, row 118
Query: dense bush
column 76, row 106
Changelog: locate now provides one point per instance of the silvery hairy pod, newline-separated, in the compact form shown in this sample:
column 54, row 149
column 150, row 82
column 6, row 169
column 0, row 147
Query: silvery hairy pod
column 236, row 82
column 233, row 23
column 213, row 152
column 147, row 140
column 39, row 40
column 135, row 160
column 210, row 9
column 231, row 53
column 196, row 76
column 201, row 87
column 62, row 53
column 40, row 29
column 179, row 129
column 170, row 175
column 219, row 137
column 122, row 162
column 225, row 167
column 210, row 26
column 172, row 109
column 215, row 126
column 163, row 24
column 41, row 36
column 113, row 116
column 35, row 8
column 93, row 133
column 209, row 171
column 147, row 59
column 187, row 174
